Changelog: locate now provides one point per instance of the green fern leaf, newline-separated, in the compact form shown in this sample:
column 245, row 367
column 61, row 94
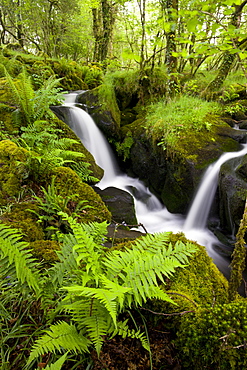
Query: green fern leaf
column 57, row 365
column 105, row 297
column 124, row 331
column 59, row 336
column 16, row 258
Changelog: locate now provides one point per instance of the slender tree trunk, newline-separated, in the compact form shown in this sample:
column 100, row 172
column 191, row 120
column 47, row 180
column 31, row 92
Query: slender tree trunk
column 103, row 23
column 228, row 58
column 170, row 59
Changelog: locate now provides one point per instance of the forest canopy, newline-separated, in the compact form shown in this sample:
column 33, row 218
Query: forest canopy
column 183, row 35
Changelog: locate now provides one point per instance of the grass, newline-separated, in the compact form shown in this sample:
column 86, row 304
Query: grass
column 166, row 122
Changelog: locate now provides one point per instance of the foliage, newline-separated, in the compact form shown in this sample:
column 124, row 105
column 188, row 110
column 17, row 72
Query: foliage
column 96, row 286
column 110, row 282
column 51, row 204
column 47, row 149
column 214, row 337
column 166, row 123
column 33, row 105
column 125, row 147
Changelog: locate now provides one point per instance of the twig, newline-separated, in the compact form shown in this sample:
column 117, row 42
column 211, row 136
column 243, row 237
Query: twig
column 167, row 314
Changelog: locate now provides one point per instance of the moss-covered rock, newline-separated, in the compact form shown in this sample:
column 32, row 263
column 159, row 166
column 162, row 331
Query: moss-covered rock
column 214, row 337
column 174, row 176
column 11, row 170
column 45, row 250
column 68, row 183
column 22, row 217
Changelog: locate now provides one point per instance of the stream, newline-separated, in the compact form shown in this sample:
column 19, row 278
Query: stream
column 149, row 210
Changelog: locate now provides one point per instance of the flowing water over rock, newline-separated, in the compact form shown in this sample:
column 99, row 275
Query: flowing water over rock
column 149, row 210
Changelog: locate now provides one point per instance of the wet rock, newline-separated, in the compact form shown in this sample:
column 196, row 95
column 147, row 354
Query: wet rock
column 120, row 203
column 232, row 193
column 243, row 124
column 106, row 118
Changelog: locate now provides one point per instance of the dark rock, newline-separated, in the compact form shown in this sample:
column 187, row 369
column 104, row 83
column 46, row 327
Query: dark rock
column 232, row 193
column 120, row 203
column 102, row 116
column 238, row 135
column 243, row 124
column 230, row 121
column 239, row 116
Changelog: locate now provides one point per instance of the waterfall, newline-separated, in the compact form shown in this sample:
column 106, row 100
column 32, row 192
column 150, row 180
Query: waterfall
column 198, row 214
column 149, row 210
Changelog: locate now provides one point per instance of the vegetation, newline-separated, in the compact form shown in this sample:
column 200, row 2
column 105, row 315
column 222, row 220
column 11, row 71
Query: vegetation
column 166, row 123
column 167, row 74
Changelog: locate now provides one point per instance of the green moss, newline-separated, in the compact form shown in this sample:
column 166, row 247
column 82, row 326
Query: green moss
column 214, row 337
column 68, row 183
column 21, row 218
column 11, row 173
column 45, row 250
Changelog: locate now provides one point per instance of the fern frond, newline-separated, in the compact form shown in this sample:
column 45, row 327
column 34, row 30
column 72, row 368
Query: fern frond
column 16, row 259
column 57, row 365
column 59, row 337
column 91, row 316
column 83, row 171
column 119, row 290
column 23, row 93
column 67, row 261
column 106, row 297
column 124, row 331
column 97, row 327
column 141, row 267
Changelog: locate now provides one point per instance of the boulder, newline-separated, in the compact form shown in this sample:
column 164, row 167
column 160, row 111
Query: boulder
column 106, row 116
column 120, row 203
column 232, row 193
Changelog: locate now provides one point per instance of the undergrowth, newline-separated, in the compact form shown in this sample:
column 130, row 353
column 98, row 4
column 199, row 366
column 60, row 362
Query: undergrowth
column 167, row 122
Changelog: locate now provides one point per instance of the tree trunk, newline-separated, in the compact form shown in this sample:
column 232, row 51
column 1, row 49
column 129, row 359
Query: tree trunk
column 170, row 59
column 103, row 22
column 228, row 58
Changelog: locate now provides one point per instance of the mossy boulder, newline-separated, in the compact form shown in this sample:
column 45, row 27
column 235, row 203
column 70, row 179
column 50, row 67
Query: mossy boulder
column 45, row 250
column 214, row 337
column 174, row 176
column 12, row 172
column 68, row 183
column 22, row 217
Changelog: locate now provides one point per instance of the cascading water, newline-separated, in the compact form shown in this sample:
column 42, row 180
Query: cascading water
column 149, row 210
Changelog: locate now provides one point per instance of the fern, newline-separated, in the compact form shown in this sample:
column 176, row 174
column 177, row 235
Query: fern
column 59, row 337
column 99, row 285
column 23, row 94
column 16, row 259
column 83, row 171
column 124, row 331
column 57, row 365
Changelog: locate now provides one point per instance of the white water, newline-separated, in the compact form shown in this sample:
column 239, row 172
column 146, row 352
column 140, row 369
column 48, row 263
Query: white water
column 149, row 210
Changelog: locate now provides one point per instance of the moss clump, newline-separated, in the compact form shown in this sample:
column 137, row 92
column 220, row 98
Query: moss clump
column 45, row 250
column 68, row 183
column 22, row 218
column 11, row 173
column 215, row 337
column 201, row 280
